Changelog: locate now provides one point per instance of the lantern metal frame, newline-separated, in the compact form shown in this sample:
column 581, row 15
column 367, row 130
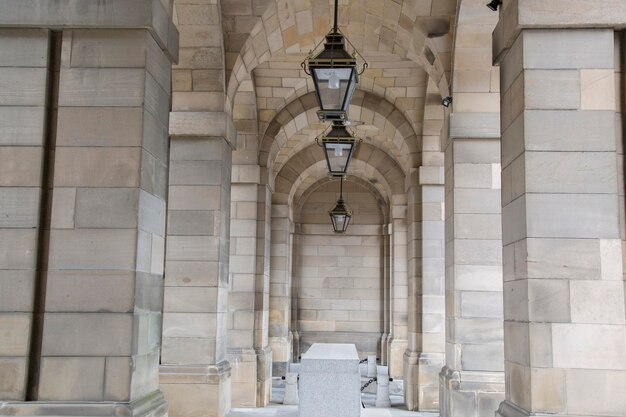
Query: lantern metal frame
column 334, row 56
column 340, row 210
column 338, row 135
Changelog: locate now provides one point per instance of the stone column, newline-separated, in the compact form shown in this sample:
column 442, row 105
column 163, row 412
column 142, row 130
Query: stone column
column 26, row 71
column 564, row 314
column 397, row 340
column 195, row 374
column 248, row 344
column 472, row 382
column 280, row 337
column 102, row 304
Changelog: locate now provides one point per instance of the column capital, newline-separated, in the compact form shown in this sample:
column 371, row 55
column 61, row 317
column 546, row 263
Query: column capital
column 95, row 14
column 516, row 15
column 203, row 124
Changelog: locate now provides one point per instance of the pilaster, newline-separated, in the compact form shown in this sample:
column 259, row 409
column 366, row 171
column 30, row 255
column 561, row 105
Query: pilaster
column 280, row 338
column 424, row 357
column 195, row 371
column 397, row 340
column 472, row 382
column 249, row 309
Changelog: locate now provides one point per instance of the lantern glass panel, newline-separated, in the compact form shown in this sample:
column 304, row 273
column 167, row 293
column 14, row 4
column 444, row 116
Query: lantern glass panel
column 335, row 87
column 340, row 222
column 338, row 156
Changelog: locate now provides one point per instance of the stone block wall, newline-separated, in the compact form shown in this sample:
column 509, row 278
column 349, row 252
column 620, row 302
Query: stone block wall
column 340, row 277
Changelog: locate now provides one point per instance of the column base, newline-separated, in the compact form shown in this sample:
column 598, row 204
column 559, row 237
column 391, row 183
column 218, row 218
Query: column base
column 421, row 380
column 470, row 393
column 281, row 354
column 197, row 391
column 243, row 363
column 152, row 405
column 397, row 347
column 411, row 378
column 263, row 376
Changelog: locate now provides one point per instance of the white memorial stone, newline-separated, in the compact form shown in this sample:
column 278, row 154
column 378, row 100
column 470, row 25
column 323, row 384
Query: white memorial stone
column 330, row 381
column 291, row 389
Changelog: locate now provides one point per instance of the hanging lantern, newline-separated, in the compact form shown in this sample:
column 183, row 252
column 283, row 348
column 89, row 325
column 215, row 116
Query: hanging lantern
column 340, row 216
column 338, row 146
column 335, row 75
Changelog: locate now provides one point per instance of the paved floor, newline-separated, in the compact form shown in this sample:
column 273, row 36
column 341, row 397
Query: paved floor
column 276, row 409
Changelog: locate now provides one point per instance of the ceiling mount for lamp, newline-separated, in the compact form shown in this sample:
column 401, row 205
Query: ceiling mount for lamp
column 338, row 144
column 335, row 74
column 340, row 216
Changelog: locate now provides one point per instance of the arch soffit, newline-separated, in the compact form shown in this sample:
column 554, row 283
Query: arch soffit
column 279, row 32
column 379, row 163
column 472, row 47
column 365, row 107
column 305, row 191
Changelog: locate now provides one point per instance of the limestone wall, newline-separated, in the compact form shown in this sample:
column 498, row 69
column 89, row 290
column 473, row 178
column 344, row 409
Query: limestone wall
column 340, row 277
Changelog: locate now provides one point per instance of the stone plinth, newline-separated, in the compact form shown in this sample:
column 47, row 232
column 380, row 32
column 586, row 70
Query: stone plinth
column 329, row 381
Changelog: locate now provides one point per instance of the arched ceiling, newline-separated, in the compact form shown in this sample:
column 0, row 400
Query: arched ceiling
column 389, row 31
column 407, row 45
column 304, row 192
column 383, row 126
column 308, row 166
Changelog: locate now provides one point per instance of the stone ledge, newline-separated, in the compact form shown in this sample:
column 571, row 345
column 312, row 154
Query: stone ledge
column 152, row 405
column 92, row 14
column 190, row 374
column 203, row 124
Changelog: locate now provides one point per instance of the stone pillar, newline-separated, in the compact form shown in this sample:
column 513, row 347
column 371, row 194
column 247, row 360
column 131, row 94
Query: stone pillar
column 25, row 75
column 195, row 374
column 397, row 340
column 564, row 307
column 249, row 305
column 472, row 382
column 280, row 338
